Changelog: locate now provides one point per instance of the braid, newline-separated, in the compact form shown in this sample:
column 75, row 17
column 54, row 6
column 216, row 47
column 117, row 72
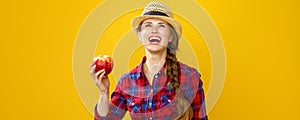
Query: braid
column 172, row 70
column 172, row 63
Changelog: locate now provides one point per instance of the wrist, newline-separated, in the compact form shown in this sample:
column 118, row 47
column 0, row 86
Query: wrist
column 103, row 91
column 104, row 95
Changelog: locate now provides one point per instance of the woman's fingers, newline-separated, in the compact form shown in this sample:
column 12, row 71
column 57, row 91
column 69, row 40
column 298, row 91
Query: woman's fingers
column 99, row 73
column 92, row 69
column 102, row 74
column 100, row 79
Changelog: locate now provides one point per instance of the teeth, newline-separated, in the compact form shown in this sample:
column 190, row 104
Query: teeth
column 154, row 40
column 158, row 38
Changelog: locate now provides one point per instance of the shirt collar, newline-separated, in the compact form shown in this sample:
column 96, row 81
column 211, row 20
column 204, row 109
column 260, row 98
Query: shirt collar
column 139, row 70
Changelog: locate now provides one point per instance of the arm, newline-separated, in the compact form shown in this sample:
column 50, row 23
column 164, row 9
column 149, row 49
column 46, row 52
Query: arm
column 102, row 83
column 116, row 107
column 104, row 103
column 198, row 104
column 105, row 109
column 191, row 86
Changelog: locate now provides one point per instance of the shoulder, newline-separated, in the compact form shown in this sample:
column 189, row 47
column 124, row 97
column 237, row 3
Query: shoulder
column 189, row 77
column 190, row 81
column 132, row 74
column 188, row 70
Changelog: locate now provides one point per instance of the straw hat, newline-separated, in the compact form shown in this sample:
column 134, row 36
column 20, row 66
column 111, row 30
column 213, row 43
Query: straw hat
column 159, row 11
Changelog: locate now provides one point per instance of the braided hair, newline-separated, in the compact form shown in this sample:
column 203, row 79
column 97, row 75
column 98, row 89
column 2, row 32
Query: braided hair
column 171, row 61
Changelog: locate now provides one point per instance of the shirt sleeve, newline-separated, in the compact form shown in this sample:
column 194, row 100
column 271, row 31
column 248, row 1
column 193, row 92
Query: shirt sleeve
column 198, row 104
column 117, row 107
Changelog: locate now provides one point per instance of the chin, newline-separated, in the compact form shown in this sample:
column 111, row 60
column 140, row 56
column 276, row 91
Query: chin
column 155, row 48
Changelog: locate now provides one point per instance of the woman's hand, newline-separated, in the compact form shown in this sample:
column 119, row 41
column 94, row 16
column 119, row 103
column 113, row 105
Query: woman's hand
column 100, row 80
column 102, row 83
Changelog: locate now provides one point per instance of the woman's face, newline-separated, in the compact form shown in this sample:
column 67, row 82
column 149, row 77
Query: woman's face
column 155, row 35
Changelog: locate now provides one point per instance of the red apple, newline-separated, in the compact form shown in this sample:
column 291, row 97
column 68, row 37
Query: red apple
column 103, row 62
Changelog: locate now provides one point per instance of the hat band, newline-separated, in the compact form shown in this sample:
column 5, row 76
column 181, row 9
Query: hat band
column 156, row 13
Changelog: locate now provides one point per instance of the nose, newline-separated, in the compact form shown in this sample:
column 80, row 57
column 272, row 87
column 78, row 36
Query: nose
column 154, row 29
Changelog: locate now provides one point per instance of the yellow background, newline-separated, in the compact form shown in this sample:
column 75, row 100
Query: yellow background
column 261, row 39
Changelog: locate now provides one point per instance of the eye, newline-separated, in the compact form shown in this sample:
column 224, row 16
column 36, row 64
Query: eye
column 147, row 25
column 162, row 25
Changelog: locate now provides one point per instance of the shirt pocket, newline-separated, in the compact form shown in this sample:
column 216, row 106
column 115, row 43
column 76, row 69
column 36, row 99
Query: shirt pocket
column 165, row 100
column 135, row 105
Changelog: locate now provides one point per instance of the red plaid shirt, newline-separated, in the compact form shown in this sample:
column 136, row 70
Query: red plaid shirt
column 144, row 101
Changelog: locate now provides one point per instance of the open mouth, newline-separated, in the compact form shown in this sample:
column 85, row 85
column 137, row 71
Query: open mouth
column 154, row 39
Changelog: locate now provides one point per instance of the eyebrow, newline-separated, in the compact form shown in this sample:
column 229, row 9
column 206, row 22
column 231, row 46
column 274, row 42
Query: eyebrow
column 163, row 23
column 152, row 23
column 147, row 23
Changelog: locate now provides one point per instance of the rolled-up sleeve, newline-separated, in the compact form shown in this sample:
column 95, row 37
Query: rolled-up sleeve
column 117, row 107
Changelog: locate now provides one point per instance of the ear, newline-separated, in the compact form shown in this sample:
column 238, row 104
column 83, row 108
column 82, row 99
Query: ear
column 171, row 38
column 139, row 35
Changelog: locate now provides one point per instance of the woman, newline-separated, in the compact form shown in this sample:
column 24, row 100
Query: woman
column 160, row 87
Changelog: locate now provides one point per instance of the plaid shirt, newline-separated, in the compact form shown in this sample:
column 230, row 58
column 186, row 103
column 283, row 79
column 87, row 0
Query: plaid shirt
column 144, row 101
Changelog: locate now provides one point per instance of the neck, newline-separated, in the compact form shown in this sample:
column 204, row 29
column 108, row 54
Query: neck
column 155, row 58
column 154, row 63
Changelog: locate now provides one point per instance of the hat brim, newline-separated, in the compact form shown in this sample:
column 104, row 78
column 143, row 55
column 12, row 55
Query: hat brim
column 139, row 19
